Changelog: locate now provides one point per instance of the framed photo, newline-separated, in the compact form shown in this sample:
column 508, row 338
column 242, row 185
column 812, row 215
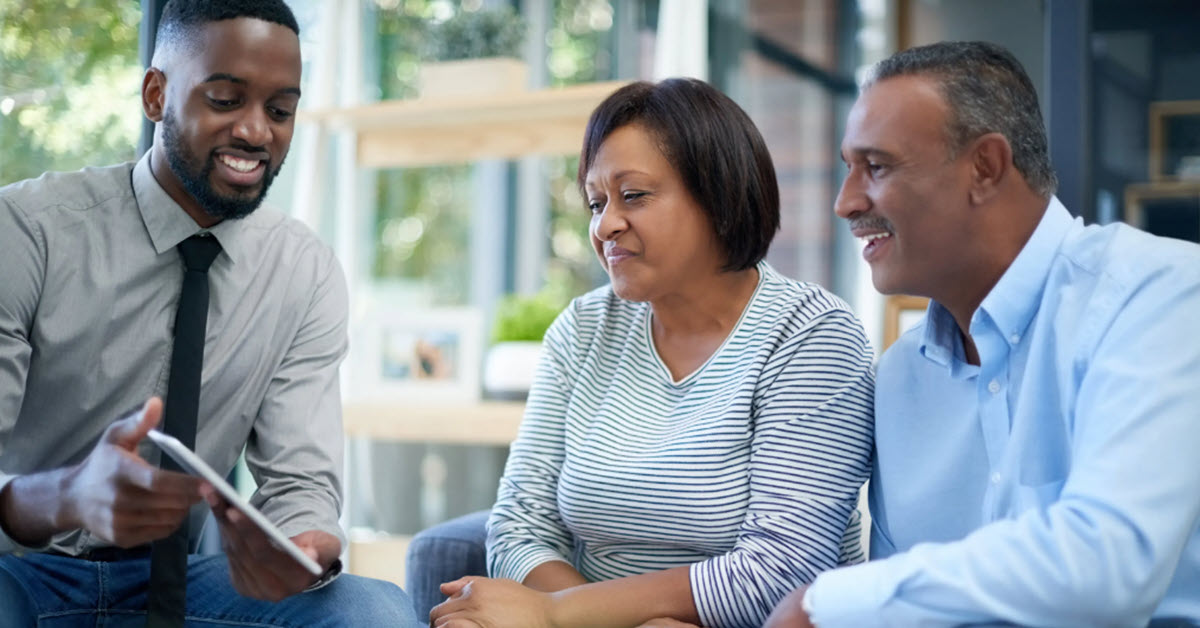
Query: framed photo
column 425, row 355
column 1175, row 140
column 1169, row 208
column 900, row 312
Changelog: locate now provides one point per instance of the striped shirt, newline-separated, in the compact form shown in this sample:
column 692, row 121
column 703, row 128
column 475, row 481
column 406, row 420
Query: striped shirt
column 748, row 469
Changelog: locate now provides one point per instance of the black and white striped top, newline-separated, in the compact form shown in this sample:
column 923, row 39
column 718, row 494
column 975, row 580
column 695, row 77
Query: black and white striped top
column 748, row 469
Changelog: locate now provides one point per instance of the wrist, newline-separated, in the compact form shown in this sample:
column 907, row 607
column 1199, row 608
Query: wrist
column 63, row 511
column 557, row 610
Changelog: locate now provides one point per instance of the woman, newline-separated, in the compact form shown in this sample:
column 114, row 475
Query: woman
column 698, row 430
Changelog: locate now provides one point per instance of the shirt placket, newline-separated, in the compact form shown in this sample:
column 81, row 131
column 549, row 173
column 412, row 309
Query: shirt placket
column 991, row 389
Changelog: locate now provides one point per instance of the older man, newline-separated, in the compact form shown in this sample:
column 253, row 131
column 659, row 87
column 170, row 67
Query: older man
column 1037, row 435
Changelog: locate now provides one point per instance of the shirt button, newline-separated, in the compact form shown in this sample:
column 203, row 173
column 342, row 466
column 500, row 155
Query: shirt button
column 993, row 386
column 1015, row 338
column 995, row 478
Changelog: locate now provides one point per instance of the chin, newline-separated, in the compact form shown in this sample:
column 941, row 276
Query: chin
column 627, row 290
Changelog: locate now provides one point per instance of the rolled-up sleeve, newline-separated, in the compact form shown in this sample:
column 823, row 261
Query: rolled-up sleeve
column 811, row 453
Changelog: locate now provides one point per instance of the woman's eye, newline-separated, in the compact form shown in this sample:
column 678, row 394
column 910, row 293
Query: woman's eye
column 594, row 206
column 222, row 103
column 633, row 196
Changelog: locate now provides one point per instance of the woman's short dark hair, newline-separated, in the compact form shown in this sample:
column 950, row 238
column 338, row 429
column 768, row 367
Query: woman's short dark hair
column 715, row 147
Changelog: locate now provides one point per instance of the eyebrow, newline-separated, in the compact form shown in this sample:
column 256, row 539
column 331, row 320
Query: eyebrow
column 617, row 176
column 866, row 151
column 225, row 76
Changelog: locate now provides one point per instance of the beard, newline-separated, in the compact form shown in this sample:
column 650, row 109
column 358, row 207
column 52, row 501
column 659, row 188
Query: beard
column 196, row 176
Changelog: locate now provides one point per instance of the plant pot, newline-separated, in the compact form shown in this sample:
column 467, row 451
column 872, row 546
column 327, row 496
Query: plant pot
column 472, row 77
column 508, row 369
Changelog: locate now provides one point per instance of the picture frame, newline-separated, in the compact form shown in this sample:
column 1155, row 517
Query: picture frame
column 1170, row 208
column 418, row 356
column 901, row 312
column 1174, row 127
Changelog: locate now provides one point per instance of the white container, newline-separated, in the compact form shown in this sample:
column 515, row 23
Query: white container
column 508, row 369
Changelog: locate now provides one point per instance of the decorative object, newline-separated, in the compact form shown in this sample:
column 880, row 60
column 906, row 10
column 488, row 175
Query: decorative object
column 474, row 52
column 1174, row 140
column 900, row 313
column 418, row 356
column 1165, row 208
column 520, row 325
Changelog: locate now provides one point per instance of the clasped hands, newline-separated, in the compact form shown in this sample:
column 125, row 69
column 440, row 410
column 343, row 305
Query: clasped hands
column 119, row 498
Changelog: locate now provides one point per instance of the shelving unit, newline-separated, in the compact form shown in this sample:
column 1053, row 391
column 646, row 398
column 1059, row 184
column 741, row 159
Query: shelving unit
column 422, row 132
column 484, row 423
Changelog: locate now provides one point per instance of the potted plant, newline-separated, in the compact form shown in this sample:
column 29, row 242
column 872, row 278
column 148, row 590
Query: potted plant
column 474, row 52
column 521, row 323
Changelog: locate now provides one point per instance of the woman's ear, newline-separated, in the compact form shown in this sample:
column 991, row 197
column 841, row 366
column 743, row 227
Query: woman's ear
column 154, row 94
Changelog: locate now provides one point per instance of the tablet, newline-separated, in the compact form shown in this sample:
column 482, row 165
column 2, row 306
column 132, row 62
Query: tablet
column 196, row 466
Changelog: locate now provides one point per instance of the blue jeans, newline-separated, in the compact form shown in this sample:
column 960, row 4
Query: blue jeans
column 445, row 552
column 50, row 591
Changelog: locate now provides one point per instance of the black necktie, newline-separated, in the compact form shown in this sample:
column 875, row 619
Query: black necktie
column 167, row 598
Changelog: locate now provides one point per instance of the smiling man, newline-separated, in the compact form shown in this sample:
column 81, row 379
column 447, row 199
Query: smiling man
column 1036, row 434
column 124, row 284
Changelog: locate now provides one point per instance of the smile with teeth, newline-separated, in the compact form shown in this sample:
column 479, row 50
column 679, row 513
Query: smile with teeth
column 241, row 165
column 870, row 238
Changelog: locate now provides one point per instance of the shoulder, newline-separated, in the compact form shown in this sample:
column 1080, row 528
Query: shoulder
column 1124, row 257
column 79, row 190
column 788, row 307
column 287, row 242
column 589, row 315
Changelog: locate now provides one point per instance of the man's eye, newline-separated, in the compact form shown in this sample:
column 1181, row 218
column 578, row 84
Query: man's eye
column 279, row 113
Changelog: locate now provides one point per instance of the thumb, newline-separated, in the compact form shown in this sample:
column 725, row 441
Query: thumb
column 129, row 431
column 454, row 586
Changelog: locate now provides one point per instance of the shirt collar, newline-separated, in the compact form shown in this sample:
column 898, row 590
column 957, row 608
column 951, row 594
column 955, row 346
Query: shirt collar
column 1014, row 299
column 168, row 224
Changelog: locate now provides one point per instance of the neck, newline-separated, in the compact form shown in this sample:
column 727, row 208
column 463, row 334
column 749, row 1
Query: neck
column 171, row 185
column 1005, row 230
column 712, row 305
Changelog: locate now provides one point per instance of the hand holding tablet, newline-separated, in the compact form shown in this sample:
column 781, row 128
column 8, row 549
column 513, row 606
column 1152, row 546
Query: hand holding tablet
column 196, row 466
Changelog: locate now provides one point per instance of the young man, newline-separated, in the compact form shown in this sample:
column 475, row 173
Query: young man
column 93, row 275
column 1036, row 436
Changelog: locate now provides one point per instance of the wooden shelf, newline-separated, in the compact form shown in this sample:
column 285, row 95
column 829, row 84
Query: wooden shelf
column 483, row 423
column 418, row 132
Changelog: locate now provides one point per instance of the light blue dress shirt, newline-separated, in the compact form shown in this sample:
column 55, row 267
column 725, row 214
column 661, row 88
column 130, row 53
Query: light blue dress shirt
column 1058, row 482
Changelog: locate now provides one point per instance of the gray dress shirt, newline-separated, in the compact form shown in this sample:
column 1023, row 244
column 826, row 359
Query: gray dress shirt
column 89, row 281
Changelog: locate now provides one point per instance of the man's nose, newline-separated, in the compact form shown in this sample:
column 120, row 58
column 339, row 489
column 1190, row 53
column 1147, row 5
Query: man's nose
column 851, row 198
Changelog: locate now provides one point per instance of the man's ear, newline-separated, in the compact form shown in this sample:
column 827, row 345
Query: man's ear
column 991, row 162
column 154, row 94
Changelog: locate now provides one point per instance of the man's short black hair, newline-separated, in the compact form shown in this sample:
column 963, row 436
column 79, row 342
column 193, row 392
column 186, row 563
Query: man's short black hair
column 181, row 18
column 715, row 147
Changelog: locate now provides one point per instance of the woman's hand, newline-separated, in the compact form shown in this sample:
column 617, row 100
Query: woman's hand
column 477, row 602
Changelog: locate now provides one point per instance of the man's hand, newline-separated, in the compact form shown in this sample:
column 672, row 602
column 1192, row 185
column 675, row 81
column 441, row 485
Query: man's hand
column 257, row 568
column 119, row 498
column 790, row 612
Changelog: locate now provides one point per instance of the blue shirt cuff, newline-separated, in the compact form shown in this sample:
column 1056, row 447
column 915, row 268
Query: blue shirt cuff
column 850, row 596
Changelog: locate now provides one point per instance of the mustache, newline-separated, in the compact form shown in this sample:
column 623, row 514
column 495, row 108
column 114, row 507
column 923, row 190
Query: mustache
column 871, row 223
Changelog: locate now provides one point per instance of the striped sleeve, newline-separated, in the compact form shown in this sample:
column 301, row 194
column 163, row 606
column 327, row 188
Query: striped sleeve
column 810, row 455
column 525, row 528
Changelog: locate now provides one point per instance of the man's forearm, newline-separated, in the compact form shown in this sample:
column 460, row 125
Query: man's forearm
column 31, row 507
